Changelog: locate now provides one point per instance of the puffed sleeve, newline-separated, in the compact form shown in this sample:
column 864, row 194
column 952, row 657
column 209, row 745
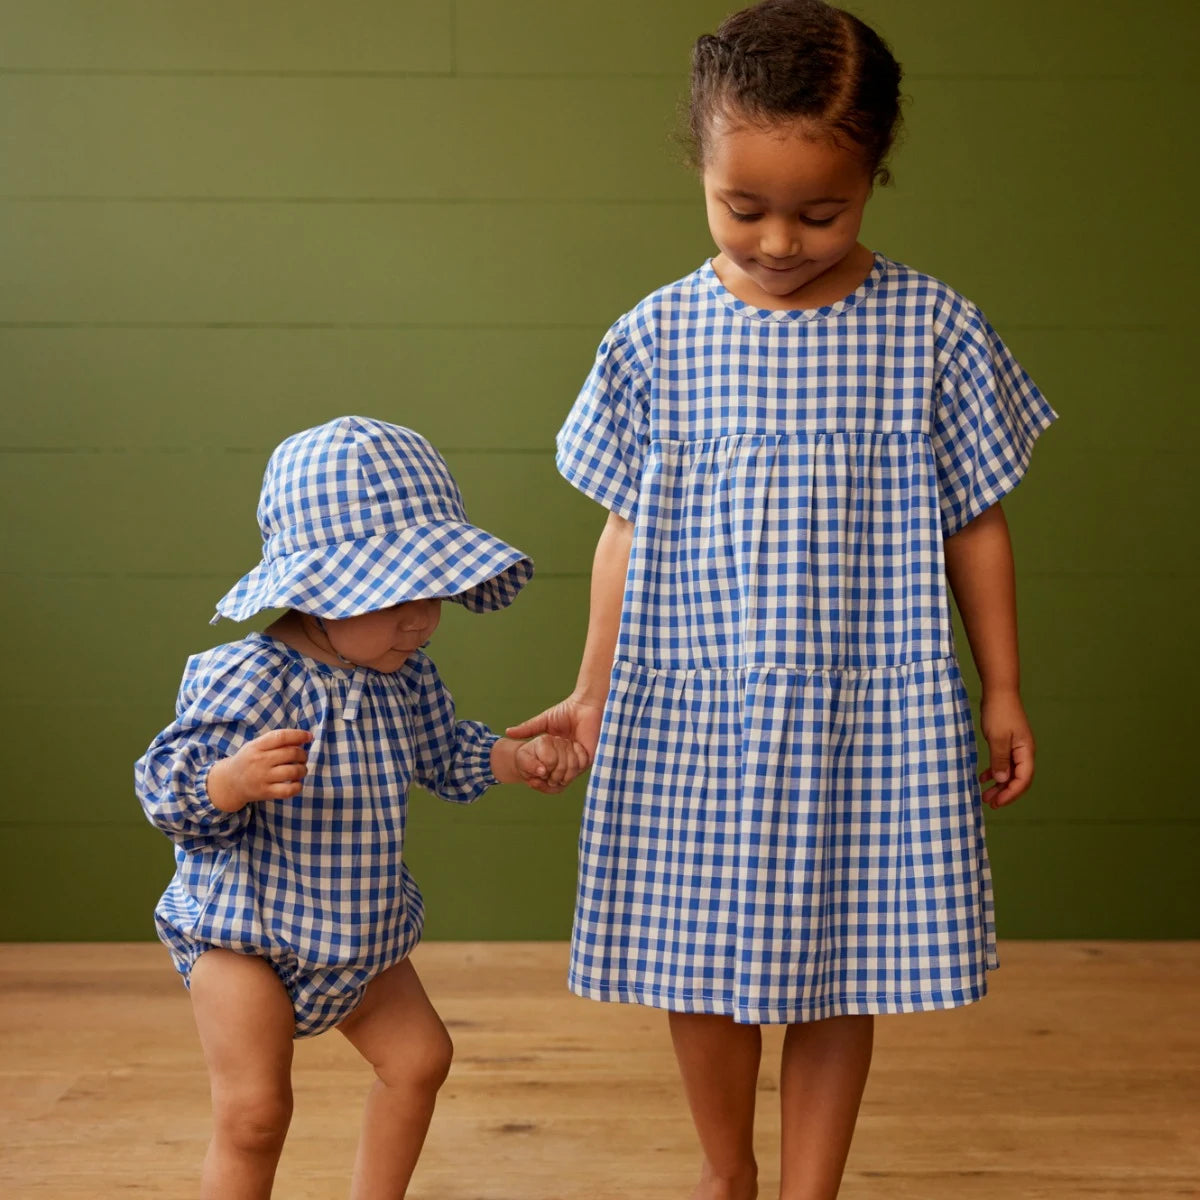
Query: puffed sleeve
column 602, row 444
column 452, row 758
column 226, row 699
column 988, row 415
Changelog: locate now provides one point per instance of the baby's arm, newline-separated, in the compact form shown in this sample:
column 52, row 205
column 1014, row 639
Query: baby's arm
column 979, row 567
column 198, row 775
column 547, row 763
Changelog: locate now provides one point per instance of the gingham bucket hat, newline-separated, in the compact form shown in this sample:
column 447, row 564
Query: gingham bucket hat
column 357, row 515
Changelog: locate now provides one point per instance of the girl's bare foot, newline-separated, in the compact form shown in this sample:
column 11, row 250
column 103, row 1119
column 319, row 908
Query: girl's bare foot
column 741, row 1186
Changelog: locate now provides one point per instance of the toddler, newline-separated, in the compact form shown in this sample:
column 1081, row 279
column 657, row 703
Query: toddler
column 283, row 783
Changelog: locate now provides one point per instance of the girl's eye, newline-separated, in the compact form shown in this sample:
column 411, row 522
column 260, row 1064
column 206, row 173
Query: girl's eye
column 741, row 216
column 814, row 221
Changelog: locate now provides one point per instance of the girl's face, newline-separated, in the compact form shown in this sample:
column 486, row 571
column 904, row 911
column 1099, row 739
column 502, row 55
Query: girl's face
column 784, row 210
column 385, row 640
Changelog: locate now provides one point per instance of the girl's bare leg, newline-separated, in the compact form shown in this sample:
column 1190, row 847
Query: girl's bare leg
column 821, row 1081
column 719, row 1060
column 245, row 1020
column 397, row 1031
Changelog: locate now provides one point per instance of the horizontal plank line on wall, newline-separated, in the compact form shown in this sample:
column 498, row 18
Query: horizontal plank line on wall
column 365, row 326
column 281, row 73
column 1115, row 822
column 329, row 201
column 1009, row 326
column 218, row 72
column 158, row 451
column 199, row 576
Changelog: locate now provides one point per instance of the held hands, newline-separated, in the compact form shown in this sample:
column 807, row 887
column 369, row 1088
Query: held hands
column 1010, row 749
column 270, row 767
column 572, row 729
column 548, row 763
column 573, row 718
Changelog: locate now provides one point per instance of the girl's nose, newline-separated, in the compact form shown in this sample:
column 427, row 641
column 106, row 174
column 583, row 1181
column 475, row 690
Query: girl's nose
column 779, row 239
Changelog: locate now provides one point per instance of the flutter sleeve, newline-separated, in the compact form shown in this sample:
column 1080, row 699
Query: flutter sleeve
column 602, row 444
column 226, row 699
column 988, row 415
column 452, row 758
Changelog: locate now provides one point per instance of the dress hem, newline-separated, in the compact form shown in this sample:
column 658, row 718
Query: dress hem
column 851, row 1004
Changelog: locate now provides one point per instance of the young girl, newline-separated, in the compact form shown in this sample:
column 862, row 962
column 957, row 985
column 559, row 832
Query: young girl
column 798, row 444
column 283, row 783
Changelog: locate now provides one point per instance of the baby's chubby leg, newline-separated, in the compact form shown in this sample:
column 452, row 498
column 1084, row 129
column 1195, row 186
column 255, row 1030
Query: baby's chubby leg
column 397, row 1031
column 244, row 1017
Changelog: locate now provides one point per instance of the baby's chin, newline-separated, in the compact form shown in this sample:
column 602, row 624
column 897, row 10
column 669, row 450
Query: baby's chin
column 394, row 659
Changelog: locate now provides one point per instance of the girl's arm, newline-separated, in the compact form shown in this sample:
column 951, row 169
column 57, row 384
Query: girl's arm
column 578, row 716
column 979, row 567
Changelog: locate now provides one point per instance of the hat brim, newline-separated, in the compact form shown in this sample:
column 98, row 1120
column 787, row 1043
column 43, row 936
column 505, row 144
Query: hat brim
column 347, row 579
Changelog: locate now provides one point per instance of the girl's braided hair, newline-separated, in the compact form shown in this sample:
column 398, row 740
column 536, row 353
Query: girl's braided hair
column 798, row 59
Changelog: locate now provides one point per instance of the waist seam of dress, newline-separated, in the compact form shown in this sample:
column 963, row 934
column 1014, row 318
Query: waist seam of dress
column 948, row 661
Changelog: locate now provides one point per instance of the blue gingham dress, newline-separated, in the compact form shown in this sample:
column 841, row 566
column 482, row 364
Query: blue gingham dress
column 316, row 884
column 783, row 822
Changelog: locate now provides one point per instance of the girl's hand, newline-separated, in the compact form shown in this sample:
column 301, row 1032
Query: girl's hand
column 270, row 767
column 548, row 763
column 1010, row 749
column 573, row 718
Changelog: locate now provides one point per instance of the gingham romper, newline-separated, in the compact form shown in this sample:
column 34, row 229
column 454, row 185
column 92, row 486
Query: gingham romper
column 317, row 885
column 783, row 821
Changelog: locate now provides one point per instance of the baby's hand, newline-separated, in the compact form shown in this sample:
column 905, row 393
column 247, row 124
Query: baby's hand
column 271, row 767
column 548, row 762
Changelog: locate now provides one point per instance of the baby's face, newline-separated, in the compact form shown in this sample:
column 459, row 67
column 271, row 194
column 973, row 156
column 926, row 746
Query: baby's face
column 385, row 640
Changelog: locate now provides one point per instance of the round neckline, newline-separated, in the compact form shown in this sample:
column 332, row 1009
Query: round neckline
column 713, row 280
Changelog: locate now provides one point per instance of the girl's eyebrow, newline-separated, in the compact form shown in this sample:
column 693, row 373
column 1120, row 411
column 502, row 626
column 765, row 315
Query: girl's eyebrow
column 744, row 195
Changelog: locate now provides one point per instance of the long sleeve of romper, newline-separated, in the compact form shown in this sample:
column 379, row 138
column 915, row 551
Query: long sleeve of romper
column 226, row 699
column 453, row 758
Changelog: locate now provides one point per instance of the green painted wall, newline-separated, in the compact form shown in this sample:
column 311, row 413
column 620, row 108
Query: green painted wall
column 222, row 222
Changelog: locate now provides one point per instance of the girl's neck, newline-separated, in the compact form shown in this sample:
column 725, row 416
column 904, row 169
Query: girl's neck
column 840, row 281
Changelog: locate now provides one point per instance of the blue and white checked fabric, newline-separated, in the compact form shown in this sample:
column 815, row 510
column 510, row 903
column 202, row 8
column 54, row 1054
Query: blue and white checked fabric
column 318, row 884
column 783, row 821
column 358, row 515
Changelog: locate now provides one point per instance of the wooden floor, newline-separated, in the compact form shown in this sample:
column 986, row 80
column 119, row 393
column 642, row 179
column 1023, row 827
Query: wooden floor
column 1078, row 1077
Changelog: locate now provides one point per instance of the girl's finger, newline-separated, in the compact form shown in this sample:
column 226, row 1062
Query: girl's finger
column 1016, row 787
column 1000, row 758
column 530, row 728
